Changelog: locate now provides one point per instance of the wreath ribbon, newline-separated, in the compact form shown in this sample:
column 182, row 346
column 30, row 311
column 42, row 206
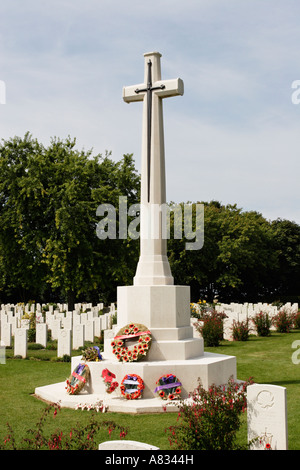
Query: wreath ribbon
column 140, row 333
column 79, row 377
column 171, row 385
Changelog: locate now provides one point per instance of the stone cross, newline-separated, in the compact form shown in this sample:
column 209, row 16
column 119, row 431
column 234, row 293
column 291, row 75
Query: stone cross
column 153, row 266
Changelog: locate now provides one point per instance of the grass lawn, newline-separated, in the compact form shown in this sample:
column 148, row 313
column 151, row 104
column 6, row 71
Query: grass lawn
column 267, row 360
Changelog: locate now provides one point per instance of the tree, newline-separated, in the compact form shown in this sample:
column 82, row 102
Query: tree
column 23, row 217
column 236, row 260
column 49, row 198
column 286, row 278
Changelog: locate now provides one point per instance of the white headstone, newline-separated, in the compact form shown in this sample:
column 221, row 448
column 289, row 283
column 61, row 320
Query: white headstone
column 41, row 333
column 97, row 326
column 125, row 445
column 64, row 343
column 2, row 353
column 54, row 326
column 267, row 417
column 78, row 336
column 89, row 330
column 6, row 329
column 20, row 343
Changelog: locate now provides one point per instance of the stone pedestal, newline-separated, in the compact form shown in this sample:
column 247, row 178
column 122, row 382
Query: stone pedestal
column 165, row 311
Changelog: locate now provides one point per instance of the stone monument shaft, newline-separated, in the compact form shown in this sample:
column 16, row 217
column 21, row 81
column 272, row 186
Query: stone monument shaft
column 153, row 267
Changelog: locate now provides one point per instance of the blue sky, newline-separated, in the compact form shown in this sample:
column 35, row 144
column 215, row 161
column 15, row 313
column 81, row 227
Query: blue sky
column 234, row 134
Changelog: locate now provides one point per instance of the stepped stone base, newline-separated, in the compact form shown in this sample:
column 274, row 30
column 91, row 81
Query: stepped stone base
column 209, row 368
column 165, row 311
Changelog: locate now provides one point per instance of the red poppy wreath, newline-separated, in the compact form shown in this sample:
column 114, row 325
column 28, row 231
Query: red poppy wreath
column 168, row 387
column 78, row 379
column 132, row 386
column 131, row 343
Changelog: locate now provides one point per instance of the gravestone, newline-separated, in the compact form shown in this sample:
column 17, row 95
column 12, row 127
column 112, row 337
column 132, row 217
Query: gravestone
column 41, row 334
column 78, row 335
column 2, row 353
column 89, row 330
column 125, row 445
column 267, row 417
column 64, row 343
column 20, row 343
column 54, row 326
column 6, row 331
column 97, row 327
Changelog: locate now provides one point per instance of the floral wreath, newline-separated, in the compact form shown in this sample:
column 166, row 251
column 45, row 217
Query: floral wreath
column 132, row 386
column 108, row 379
column 77, row 379
column 134, row 331
column 92, row 354
column 168, row 387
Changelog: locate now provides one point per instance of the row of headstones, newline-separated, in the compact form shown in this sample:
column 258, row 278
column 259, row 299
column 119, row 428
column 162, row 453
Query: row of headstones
column 242, row 312
column 70, row 329
column 267, row 425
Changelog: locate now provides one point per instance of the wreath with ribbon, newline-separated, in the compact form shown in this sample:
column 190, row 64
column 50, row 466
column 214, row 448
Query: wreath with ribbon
column 78, row 379
column 92, row 354
column 139, row 337
column 108, row 378
column 168, row 387
column 132, row 386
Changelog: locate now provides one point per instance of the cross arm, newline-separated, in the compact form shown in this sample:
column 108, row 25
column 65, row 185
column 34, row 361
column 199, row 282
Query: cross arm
column 173, row 87
column 130, row 95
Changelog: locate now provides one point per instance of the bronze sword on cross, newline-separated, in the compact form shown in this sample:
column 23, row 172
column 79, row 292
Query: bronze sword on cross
column 149, row 89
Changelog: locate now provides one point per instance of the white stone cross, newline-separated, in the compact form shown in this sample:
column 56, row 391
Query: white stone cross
column 153, row 266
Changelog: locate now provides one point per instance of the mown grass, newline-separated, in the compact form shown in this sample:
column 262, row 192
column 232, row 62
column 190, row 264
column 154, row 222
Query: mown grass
column 267, row 360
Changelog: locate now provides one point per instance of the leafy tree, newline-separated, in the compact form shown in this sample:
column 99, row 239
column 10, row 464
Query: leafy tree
column 49, row 199
column 23, row 217
column 286, row 278
column 236, row 260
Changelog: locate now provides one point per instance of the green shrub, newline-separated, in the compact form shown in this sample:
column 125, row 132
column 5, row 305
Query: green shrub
column 35, row 346
column 240, row 330
column 284, row 321
column 210, row 326
column 262, row 323
column 31, row 335
column 80, row 437
column 297, row 320
column 210, row 419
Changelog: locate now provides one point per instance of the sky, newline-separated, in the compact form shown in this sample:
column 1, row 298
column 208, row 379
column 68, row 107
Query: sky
column 234, row 134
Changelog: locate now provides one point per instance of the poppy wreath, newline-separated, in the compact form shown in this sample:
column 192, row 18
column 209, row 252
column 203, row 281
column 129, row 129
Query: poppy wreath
column 92, row 354
column 132, row 386
column 168, row 387
column 141, row 338
column 108, row 378
column 78, row 379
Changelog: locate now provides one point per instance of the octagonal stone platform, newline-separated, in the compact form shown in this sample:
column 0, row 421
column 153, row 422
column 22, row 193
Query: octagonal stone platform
column 209, row 368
